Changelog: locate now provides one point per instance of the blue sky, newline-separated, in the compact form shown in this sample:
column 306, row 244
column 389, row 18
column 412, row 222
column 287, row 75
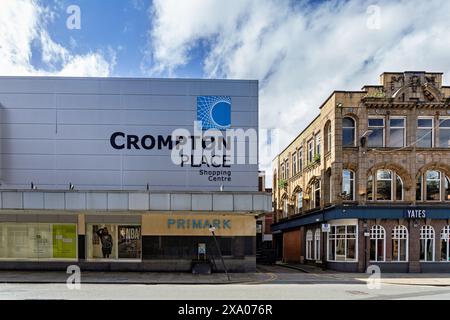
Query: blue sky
column 300, row 51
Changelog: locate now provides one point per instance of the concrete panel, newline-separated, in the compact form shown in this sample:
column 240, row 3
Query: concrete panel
column 53, row 200
column 259, row 202
column 75, row 201
column 180, row 201
column 87, row 111
column 139, row 201
column 33, row 200
column 67, row 218
column 25, row 217
column 8, row 217
column 201, row 202
column 222, row 202
column 117, row 201
column 96, row 201
column 12, row 200
column 243, row 202
column 160, row 201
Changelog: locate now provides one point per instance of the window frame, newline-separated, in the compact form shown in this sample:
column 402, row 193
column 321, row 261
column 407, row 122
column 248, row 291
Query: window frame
column 311, row 150
column 352, row 183
column 445, row 233
column 445, row 118
column 309, row 245
column 383, row 144
column 432, row 130
column 328, row 135
column 300, row 159
column 345, row 238
column 404, row 130
column 374, row 191
column 317, row 144
column 425, row 185
column 377, row 232
column 317, row 247
column 294, row 163
column 426, row 230
column 397, row 233
column 354, row 131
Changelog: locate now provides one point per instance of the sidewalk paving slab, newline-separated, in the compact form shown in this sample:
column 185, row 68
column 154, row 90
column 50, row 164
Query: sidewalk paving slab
column 131, row 277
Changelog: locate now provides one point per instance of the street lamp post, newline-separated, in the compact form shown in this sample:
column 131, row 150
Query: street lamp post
column 213, row 230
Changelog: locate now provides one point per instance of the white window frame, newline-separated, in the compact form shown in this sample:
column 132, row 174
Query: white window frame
column 313, row 195
column 383, row 143
column 317, row 247
column 352, row 181
column 287, row 169
column 375, row 185
column 395, row 189
column 285, row 208
column 311, row 150
column 329, row 137
column 424, row 186
column 425, row 232
column 294, row 163
column 445, row 236
column 317, row 144
column 377, row 232
column 404, row 129
column 400, row 232
column 343, row 224
column 441, row 119
column 300, row 201
column 300, row 159
column 309, row 242
column 432, row 129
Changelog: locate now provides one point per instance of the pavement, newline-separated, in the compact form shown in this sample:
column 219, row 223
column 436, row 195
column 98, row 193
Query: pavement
column 91, row 277
column 266, row 274
column 414, row 279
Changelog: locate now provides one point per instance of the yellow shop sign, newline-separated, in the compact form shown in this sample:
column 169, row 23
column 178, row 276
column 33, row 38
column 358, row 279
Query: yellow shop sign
column 198, row 224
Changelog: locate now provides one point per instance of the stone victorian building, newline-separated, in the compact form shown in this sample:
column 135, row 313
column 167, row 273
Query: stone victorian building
column 367, row 182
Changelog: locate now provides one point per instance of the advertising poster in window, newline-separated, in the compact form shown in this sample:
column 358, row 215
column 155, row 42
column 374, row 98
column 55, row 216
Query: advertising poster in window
column 103, row 243
column 129, row 242
column 64, row 241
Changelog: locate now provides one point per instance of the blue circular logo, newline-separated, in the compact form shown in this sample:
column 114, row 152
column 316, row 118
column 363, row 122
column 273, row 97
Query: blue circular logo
column 221, row 114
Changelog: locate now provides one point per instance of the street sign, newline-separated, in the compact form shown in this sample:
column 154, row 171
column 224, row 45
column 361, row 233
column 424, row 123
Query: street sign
column 326, row 227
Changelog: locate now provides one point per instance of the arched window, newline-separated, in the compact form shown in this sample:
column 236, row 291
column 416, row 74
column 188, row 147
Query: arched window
column 399, row 189
column 377, row 244
column 348, row 185
column 433, row 185
column 299, row 201
column 384, row 185
column 426, row 243
column 317, row 245
column 388, row 186
column 328, row 137
column 316, row 193
column 309, row 241
column 400, row 244
column 285, row 208
column 445, row 245
column 348, row 132
column 447, row 189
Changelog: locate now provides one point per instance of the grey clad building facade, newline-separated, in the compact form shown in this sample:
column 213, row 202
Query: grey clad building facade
column 118, row 174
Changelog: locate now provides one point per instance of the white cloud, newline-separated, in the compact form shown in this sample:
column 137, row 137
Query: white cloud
column 301, row 52
column 23, row 26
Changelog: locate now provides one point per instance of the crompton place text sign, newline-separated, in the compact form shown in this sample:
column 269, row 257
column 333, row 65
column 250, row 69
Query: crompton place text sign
column 127, row 134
